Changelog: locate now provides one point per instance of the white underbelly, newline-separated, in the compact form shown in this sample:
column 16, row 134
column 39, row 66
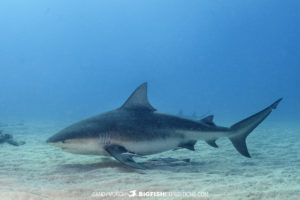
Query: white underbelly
column 92, row 146
column 151, row 146
column 199, row 135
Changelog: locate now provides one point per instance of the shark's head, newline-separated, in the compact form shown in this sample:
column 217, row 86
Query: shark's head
column 75, row 141
column 63, row 139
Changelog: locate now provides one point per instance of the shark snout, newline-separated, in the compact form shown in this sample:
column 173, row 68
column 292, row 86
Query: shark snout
column 49, row 141
column 52, row 140
column 56, row 142
column 57, row 138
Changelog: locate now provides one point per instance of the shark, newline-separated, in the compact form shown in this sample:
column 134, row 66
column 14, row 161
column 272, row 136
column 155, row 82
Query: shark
column 137, row 129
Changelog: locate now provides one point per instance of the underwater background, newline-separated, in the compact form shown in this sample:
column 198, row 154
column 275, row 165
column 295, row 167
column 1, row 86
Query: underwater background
column 63, row 61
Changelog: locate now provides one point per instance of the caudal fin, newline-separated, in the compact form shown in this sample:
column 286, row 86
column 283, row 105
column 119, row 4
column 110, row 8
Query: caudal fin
column 242, row 129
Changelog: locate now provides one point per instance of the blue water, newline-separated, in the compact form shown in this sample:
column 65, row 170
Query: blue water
column 64, row 59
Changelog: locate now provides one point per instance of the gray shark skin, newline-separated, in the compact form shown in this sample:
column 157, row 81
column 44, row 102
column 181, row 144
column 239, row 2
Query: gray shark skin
column 138, row 129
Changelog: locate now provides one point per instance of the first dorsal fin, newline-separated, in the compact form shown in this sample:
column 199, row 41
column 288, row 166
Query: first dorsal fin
column 138, row 99
column 208, row 120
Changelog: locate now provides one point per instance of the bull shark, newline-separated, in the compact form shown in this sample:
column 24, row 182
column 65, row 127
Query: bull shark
column 138, row 129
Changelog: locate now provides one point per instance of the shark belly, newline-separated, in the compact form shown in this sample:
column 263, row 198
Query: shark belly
column 95, row 146
column 203, row 135
column 151, row 147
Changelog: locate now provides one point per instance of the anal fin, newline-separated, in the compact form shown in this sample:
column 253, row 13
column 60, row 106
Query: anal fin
column 190, row 145
column 212, row 143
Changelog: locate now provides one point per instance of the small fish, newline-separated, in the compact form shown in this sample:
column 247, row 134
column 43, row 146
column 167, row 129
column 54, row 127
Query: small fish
column 7, row 138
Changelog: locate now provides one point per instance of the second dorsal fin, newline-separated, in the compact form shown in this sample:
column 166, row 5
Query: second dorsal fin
column 208, row 120
column 138, row 99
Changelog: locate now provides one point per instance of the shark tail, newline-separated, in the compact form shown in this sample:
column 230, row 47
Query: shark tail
column 242, row 129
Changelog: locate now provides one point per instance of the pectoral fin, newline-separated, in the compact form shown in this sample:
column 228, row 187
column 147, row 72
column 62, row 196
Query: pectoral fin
column 122, row 155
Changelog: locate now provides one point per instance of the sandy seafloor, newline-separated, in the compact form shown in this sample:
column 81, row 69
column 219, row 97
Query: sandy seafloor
column 39, row 171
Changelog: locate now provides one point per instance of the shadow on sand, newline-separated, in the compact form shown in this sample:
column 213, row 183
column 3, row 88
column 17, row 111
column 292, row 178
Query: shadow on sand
column 149, row 164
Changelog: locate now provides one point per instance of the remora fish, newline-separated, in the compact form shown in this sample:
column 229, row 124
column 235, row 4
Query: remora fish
column 138, row 129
